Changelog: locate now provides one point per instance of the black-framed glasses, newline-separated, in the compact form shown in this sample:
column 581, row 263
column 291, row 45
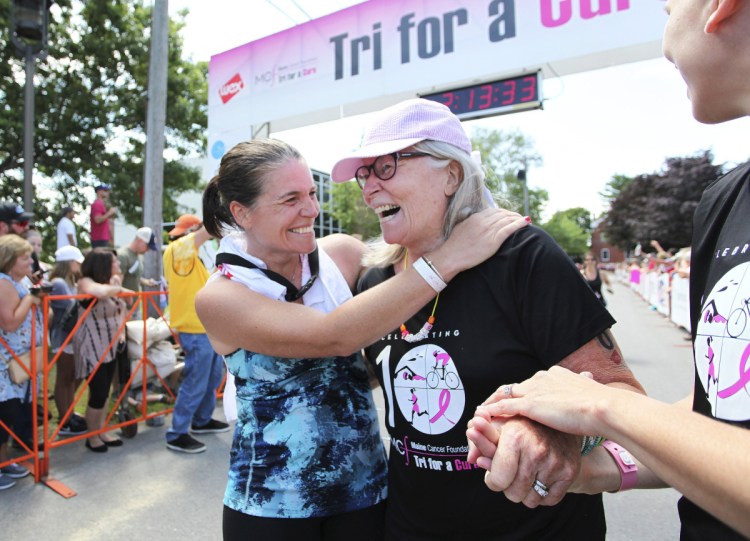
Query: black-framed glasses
column 384, row 166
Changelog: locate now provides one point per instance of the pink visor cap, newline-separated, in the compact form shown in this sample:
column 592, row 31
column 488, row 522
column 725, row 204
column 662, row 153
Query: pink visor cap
column 400, row 126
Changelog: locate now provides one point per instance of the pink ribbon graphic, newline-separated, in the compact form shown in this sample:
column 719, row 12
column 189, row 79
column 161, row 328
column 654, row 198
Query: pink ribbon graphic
column 444, row 400
column 744, row 377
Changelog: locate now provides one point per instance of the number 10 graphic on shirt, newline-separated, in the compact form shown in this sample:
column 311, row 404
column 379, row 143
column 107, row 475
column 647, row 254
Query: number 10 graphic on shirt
column 425, row 386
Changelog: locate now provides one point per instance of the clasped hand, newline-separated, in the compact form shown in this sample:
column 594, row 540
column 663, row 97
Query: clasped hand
column 516, row 452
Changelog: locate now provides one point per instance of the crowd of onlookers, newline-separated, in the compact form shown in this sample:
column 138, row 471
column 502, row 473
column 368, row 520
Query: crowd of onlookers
column 661, row 278
column 87, row 336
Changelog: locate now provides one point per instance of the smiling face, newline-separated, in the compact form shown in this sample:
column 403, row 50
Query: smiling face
column 411, row 205
column 279, row 226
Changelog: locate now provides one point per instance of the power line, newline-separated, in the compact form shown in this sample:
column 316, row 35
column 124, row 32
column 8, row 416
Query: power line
column 302, row 10
column 271, row 3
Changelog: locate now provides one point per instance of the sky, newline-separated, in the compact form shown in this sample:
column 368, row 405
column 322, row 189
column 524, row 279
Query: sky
column 625, row 119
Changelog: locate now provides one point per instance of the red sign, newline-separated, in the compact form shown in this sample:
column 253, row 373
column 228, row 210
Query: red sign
column 231, row 88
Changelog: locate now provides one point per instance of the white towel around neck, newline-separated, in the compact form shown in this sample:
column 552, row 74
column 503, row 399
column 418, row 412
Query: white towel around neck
column 328, row 291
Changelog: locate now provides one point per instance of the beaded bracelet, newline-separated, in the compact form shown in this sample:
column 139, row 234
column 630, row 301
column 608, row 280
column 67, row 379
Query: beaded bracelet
column 429, row 274
column 589, row 443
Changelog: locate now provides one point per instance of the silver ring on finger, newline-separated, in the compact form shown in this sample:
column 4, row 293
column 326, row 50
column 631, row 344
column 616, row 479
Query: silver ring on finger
column 540, row 488
column 508, row 390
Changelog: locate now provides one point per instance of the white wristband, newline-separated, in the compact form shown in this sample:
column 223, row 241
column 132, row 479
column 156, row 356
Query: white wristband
column 429, row 275
column 429, row 264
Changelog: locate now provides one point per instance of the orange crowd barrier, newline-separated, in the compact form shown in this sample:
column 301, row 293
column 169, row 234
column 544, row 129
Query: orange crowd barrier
column 38, row 455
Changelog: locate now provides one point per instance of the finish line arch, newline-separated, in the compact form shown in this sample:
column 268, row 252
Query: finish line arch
column 374, row 54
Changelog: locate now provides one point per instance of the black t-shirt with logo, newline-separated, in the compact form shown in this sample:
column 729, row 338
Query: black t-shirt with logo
column 523, row 310
column 720, row 320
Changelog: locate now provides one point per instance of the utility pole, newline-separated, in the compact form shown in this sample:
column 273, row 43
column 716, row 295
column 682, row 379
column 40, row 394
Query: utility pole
column 156, row 115
column 29, row 22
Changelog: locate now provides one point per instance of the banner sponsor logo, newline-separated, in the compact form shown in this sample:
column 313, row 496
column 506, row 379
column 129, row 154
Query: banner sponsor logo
column 231, row 88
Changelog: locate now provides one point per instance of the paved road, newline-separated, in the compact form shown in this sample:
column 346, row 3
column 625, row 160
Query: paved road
column 660, row 355
column 142, row 491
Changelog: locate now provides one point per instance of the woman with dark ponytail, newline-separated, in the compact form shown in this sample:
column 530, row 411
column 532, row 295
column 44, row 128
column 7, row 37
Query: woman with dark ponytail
column 280, row 309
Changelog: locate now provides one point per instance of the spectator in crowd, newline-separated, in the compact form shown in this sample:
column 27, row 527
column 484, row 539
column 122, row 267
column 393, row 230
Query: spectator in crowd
column 131, row 261
column 16, row 311
column 13, row 218
column 661, row 253
column 101, row 228
column 595, row 277
column 39, row 268
column 64, row 278
column 703, row 452
column 25, row 426
column 97, row 341
column 204, row 369
column 66, row 228
column 682, row 263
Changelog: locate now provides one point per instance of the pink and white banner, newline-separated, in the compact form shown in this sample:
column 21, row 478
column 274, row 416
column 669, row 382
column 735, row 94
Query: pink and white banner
column 376, row 53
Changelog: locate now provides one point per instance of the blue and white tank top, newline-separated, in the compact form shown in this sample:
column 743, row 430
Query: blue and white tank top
column 307, row 441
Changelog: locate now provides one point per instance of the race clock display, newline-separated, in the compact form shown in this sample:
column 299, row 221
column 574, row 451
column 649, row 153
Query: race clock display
column 510, row 95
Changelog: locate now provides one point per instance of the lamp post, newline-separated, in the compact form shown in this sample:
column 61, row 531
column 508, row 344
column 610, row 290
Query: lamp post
column 28, row 32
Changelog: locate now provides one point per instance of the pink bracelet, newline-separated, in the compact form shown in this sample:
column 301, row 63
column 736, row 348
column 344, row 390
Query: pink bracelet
column 626, row 464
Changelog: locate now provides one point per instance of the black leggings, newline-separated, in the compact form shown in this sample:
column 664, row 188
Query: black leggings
column 9, row 410
column 100, row 385
column 363, row 525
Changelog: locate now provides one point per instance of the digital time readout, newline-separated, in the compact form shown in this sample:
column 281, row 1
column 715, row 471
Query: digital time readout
column 509, row 95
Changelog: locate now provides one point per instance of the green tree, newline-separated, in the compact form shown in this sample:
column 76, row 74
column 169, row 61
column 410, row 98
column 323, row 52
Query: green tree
column 568, row 228
column 660, row 206
column 614, row 187
column 504, row 154
column 581, row 217
column 352, row 214
column 90, row 110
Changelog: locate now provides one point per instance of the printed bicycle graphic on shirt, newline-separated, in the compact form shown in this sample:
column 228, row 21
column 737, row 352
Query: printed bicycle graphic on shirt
column 738, row 319
column 441, row 373
column 427, row 390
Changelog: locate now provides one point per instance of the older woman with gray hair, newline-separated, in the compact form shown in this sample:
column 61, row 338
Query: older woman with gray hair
column 524, row 309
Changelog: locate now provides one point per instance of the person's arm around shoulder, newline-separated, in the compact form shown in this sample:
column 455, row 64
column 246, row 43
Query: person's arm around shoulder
column 292, row 330
column 347, row 253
